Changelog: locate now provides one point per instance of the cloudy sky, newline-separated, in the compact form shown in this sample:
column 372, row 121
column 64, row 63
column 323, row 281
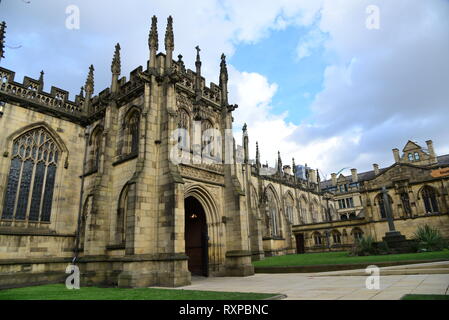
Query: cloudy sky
column 310, row 78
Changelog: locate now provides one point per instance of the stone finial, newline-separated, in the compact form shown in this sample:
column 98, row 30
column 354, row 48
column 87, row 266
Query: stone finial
column 257, row 155
column 198, row 58
column 318, row 179
column 81, row 92
column 2, row 39
column 153, row 41
column 245, row 128
column 169, row 37
column 279, row 162
column 181, row 63
column 198, row 74
column 294, row 167
column 41, row 80
column 116, row 62
column 89, row 86
column 223, row 69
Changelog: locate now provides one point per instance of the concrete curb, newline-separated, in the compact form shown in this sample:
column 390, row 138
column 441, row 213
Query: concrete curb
column 338, row 267
column 277, row 297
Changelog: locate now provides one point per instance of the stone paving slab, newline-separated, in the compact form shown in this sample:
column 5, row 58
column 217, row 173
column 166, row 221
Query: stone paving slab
column 300, row 286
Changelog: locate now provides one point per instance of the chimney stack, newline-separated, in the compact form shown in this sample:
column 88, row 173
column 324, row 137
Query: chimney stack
column 433, row 156
column 312, row 176
column 376, row 169
column 334, row 179
column 354, row 175
column 396, row 155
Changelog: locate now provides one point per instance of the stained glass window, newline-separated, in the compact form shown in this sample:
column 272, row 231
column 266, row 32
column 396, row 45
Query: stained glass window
column 31, row 179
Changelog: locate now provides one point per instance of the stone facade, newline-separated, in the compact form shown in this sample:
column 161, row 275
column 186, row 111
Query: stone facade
column 143, row 184
column 94, row 180
column 417, row 184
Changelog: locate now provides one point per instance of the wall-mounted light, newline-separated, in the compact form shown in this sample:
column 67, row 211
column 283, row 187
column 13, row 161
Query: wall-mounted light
column 193, row 216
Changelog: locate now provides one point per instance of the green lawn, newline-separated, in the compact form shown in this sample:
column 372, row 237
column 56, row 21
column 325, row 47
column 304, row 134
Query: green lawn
column 425, row 297
column 60, row 292
column 344, row 258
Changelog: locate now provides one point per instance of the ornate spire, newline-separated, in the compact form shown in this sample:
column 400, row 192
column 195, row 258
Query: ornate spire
column 81, row 92
column 89, row 86
column 294, row 167
column 257, row 155
column 2, row 39
column 318, row 179
column 198, row 60
column 245, row 128
column 224, row 81
column 169, row 38
column 153, row 41
column 223, row 69
column 116, row 62
column 41, row 77
column 198, row 74
column 279, row 162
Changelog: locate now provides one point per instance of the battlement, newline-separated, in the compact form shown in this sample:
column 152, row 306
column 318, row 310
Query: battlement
column 31, row 90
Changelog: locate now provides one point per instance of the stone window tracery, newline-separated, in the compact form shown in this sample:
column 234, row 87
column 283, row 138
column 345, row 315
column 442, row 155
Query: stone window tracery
column 31, row 179
column 430, row 199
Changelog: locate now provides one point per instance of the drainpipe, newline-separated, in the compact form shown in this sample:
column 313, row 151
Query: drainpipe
column 80, row 207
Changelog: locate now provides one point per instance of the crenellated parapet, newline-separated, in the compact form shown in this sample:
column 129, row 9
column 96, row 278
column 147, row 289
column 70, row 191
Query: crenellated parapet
column 30, row 93
column 87, row 107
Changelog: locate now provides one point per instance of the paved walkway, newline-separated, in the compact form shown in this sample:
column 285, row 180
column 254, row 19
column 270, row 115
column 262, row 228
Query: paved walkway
column 319, row 286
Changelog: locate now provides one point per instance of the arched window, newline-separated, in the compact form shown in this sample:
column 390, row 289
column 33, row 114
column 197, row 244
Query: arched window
column 317, row 238
column 430, row 199
column 184, row 134
column 303, row 210
column 382, row 208
column 31, row 179
column 94, row 149
column 357, row 233
column 120, row 229
column 289, row 204
column 313, row 211
column 274, row 214
column 336, row 237
column 132, row 132
column 254, row 200
column 87, row 208
column 406, row 203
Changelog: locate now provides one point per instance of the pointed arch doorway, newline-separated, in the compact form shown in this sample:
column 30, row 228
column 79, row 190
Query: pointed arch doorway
column 196, row 237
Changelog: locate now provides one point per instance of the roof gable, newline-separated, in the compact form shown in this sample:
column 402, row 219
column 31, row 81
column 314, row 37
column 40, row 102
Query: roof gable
column 410, row 145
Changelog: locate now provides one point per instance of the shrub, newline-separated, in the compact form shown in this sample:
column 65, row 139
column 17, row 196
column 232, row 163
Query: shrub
column 382, row 248
column 429, row 239
column 365, row 246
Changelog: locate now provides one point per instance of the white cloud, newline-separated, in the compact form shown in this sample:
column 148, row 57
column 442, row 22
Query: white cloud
column 313, row 40
column 380, row 87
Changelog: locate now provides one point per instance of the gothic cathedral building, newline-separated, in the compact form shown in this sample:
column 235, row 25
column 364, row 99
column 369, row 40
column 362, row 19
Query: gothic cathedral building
column 143, row 183
column 94, row 180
